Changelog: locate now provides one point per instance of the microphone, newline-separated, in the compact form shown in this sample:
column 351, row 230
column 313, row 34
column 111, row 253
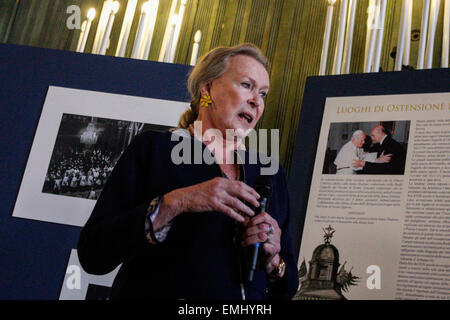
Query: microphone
column 263, row 186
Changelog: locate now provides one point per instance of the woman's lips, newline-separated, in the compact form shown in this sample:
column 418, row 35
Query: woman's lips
column 246, row 116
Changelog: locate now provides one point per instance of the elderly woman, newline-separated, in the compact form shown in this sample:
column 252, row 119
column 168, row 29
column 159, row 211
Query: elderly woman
column 180, row 230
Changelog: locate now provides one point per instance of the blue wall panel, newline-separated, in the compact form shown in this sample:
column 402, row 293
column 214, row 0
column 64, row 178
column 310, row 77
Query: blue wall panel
column 34, row 254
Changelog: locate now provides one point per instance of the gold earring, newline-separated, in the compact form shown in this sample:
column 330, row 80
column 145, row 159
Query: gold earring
column 205, row 100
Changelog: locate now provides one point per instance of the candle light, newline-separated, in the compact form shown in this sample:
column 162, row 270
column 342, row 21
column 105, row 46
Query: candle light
column 349, row 36
column 103, row 19
column 380, row 33
column 173, row 24
column 326, row 38
column 177, row 29
column 423, row 33
column 91, row 14
column 82, row 31
column 373, row 25
column 141, row 29
column 197, row 38
column 369, row 31
column 401, row 36
column 105, row 40
column 445, row 35
column 90, row 17
column 435, row 4
column 341, row 34
column 85, row 27
column 408, row 33
column 167, row 32
column 151, row 28
column 126, row 27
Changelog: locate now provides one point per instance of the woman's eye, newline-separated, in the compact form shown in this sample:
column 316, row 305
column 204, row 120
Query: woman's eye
column 263, row 94
column 246, row 85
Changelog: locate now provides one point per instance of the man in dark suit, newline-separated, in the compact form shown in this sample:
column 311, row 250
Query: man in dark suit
column 387, row 147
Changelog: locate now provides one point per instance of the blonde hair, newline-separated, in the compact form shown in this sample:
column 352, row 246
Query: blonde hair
column 210, row 67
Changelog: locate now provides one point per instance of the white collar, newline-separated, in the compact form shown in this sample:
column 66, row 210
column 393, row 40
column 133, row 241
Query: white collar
column 381, row 142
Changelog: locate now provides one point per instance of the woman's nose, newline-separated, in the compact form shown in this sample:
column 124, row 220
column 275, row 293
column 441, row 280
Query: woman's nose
column 254, row 101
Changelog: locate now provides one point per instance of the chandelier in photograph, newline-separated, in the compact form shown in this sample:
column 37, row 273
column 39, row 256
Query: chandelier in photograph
column 89, row 135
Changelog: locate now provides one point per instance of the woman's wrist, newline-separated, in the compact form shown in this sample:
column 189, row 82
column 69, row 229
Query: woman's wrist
column 276, row 268
column 170, row 207
column 273, row 264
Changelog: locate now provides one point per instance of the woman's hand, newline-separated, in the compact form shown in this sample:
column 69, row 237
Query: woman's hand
column 218, row 194
column 263, row 228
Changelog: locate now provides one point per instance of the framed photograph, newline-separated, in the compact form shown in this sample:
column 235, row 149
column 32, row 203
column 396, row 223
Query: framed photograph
column 357, row 144
column 80, row 136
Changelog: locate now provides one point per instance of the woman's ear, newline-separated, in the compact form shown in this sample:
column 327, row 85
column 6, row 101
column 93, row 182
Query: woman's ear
column 205, row 89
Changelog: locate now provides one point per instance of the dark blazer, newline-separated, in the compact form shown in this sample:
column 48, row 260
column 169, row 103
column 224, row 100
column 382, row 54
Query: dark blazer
column 397, row 163
column 198, row 259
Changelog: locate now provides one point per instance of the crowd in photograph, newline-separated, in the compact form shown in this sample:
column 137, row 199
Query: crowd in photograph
column 78, row 171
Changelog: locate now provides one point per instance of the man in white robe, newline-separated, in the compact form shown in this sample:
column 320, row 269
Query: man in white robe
column 351, row 151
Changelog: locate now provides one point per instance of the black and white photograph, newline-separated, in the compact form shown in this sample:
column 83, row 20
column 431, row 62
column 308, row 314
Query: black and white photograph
column 327, row 278
column 376, row 147
column 79, row 138
column 86, row 151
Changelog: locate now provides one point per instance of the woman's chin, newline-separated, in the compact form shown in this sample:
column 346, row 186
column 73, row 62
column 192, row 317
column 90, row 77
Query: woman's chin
column 242, row 131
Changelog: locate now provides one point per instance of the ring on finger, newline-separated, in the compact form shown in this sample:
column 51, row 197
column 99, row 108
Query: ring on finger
column 269, row 233
column 270, row 229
